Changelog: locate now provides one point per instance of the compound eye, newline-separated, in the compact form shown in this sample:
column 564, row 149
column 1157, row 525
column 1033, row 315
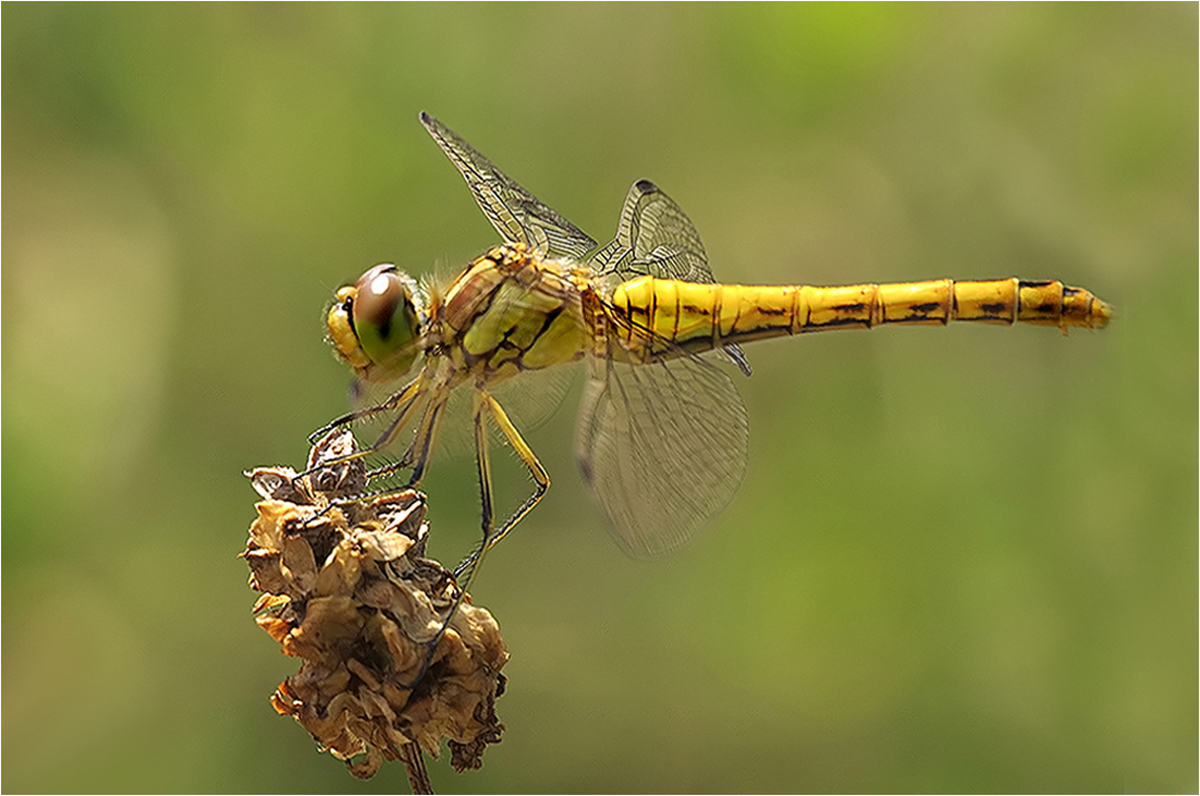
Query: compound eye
column 385, row 317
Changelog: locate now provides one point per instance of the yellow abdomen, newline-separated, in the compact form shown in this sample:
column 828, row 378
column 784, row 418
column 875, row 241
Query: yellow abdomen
column 698, row 317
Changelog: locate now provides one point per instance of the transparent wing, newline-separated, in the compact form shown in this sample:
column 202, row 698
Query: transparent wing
column 662, row 446
column 518, row 215
column 529, row 400
column 655, row 237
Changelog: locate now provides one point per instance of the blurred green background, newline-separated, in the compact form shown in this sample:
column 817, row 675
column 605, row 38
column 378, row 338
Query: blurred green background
column 961, row 560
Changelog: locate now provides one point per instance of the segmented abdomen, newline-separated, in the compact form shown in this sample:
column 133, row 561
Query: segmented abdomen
column 698, row 317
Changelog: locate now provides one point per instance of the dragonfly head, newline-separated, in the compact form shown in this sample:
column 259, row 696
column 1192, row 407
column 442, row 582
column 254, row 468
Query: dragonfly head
column 375, row 324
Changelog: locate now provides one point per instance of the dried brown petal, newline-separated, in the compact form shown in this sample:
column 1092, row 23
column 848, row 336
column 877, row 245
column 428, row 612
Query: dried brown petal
column 346, row 589
column 275, row 483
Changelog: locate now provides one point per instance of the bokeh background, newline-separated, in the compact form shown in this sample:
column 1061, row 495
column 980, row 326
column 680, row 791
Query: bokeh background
column 961, row 560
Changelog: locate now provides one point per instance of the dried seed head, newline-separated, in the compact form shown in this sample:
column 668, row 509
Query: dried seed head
column 346, row 589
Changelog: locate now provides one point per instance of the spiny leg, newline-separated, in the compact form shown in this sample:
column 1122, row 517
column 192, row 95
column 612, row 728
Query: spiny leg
column 396, row 399
column 407, row 400
column 420, row 449
column 484, row 401
column 540, row 477
column 484, row 467
column 417, row 456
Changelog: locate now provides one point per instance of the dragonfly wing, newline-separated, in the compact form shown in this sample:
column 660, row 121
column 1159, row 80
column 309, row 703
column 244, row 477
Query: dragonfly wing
column 518, row 215
column 663, row 448
column 655, row 237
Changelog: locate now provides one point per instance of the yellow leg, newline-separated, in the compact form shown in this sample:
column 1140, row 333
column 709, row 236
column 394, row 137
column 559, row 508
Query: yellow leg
column 541, row 479
column 483, row 405
column 484, row 465
column 420, row 449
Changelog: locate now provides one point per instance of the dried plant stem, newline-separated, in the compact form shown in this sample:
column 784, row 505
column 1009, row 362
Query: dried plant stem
column 414, row 761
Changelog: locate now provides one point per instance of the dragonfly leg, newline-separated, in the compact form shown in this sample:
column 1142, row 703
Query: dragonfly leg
column 541, row 481
column 418, row 452
column 416, row 456
column 407, row 401
column 484, row 404
column 397, row 399
column 484, row 465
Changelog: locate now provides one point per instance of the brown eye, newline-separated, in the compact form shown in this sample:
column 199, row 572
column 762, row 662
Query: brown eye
column 385, row 317
column 380, row 291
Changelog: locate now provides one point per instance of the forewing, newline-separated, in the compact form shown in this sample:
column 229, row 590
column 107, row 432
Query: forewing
column 663, row 448
column 516, row 214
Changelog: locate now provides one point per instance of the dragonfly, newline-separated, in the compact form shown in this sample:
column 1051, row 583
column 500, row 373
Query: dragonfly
column 661, row 438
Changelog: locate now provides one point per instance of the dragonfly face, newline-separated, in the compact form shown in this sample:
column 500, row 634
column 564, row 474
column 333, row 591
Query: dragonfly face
column 376, row 323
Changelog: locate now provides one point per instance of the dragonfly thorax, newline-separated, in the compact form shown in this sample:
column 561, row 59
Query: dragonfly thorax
column 511, row 311
column 375, row 324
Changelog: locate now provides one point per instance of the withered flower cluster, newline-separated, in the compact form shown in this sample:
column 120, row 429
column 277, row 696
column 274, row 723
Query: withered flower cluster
column 347, row 590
